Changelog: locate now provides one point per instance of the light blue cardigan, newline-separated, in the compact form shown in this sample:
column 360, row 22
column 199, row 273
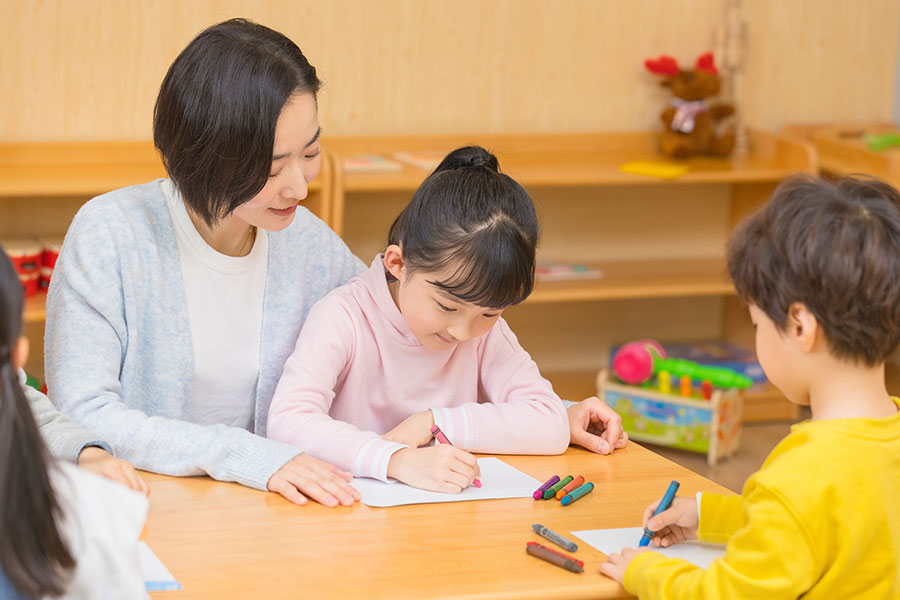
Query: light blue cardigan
column 118, row 352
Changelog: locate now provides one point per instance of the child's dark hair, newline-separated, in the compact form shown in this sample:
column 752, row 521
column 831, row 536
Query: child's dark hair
column 834, row 247
column 33, row 555
column 215, row 116
column 470, row 217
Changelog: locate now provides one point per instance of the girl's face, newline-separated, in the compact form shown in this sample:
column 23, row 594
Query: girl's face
column 296, row 160
column 438, row 319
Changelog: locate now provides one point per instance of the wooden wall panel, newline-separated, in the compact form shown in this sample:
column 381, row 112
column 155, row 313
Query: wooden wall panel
column 90, row 69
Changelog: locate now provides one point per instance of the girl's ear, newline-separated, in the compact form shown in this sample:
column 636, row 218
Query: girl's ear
column 802, row 326
column 20, row 352
column 393, row 261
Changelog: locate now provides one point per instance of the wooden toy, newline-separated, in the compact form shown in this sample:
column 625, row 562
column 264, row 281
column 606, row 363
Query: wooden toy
column 711, row 427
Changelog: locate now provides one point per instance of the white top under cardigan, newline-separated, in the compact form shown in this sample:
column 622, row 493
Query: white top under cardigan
column 118, row 352
column 224, row 300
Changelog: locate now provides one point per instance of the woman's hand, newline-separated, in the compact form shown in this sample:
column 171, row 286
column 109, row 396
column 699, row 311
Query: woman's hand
column 595, row 426
column 100, row 462
column 324, row 483
column 676, row 524
column 440, row 468
column 413, row 431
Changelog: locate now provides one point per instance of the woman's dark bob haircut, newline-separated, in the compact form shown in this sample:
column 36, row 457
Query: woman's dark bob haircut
column 471, row 220
column 214, row 120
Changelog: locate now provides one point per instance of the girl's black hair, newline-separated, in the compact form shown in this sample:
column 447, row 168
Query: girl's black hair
column 33, row 555
column 215, row 116
column 469, row 217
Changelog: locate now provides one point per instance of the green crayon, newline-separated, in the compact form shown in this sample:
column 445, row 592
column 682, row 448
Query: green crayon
column 551, row 492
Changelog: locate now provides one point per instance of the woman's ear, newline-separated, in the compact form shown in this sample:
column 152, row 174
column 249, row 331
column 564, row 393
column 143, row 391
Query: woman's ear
column 393, row 261
column 802, row 326
column 20, row 352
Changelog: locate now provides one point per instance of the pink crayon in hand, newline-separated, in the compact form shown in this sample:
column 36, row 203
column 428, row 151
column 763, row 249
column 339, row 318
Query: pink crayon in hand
column 442, row 439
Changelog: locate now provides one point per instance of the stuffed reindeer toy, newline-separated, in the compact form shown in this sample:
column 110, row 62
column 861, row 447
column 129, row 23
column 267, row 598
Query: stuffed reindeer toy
column 689, row 125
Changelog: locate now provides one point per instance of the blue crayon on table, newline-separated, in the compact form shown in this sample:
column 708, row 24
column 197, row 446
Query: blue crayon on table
column 539, row 493
column 554, row 537
column 577, row 493
column 664, row 504
column 550, row 492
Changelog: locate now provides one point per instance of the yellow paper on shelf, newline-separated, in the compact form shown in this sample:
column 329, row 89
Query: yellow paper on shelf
column 654, row 168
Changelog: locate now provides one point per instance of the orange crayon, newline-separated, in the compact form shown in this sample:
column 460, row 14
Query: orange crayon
column 569, row 487
column 685, row 386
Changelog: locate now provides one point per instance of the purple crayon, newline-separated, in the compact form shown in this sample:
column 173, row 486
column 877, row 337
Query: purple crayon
column 539, row 493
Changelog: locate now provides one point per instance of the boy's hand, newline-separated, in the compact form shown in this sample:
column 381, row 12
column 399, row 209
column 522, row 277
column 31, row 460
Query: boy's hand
column 595, row 426
column 677, row 524
column 615, row 564
column 440, row 468
column 323, row 482
column 102, row 463
column 414, row 430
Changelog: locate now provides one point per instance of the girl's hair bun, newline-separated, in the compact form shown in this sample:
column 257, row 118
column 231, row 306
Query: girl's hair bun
column 469, row 157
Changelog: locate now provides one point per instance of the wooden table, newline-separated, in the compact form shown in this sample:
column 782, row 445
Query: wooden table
column 222, row 540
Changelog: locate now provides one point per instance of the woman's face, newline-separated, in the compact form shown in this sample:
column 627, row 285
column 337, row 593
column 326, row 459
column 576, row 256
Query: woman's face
column 296, row 160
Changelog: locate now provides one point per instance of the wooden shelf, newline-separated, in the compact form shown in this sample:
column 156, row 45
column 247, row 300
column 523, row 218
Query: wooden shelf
column 35, row 311
column 77, row 168
column 640, row 279
column 572, row 159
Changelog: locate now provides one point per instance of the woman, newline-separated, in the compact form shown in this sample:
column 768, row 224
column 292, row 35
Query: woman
column 175, row 303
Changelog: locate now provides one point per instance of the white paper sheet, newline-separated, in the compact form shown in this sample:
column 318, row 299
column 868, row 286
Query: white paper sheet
column 157, row 577
column 613, row 540
column 498, row 480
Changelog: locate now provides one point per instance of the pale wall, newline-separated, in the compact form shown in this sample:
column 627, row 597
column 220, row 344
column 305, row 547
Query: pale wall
column 90, row 69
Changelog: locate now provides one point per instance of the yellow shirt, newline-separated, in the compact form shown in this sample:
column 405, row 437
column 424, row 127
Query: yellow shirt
column 820, row 519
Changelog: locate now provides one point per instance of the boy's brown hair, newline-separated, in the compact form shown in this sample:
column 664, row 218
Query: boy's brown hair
column 834, row 247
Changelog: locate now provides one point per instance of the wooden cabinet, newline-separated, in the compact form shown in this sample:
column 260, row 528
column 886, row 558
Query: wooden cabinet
column 660, row 244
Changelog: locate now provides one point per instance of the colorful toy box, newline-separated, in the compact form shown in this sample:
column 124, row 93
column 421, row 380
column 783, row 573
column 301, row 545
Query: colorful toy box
column 711, row 427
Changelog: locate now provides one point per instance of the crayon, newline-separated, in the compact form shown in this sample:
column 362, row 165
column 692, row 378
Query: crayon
column 706, row 389
column 664, row 504
column 686, row 386
column 577, row 493
column 550, row 492
column 539, row 493
column 555, row 537
column 569, row 487
column 441, row 438
column 552, row 556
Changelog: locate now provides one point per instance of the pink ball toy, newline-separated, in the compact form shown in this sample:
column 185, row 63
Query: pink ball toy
column 633, row 362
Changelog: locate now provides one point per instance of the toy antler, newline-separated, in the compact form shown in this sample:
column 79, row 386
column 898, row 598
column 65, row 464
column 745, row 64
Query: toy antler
column 664, row 65
column 706, row 62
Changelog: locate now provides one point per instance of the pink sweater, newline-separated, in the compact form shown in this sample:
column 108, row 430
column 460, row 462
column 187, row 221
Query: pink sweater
column 357, row 372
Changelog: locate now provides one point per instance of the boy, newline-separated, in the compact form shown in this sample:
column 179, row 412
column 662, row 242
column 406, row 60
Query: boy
column 819, row 267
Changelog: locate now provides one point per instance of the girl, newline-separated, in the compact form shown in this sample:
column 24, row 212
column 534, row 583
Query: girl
column 62, row 530
column 422, row 329
column 175, row 303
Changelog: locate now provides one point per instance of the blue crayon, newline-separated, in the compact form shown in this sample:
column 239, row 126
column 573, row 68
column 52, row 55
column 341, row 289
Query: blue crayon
column 664, row 504
column 576, row 494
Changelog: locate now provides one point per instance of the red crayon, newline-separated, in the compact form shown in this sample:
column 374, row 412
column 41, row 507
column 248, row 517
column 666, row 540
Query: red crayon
column 706, row 390
column 557, row 558
column 575, row 483
column 442, row 439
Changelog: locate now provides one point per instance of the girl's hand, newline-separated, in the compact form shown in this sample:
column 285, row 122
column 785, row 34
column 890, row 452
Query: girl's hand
column 102, row 463
column 595, row 426
column 414, row 430
column 323, row 482
column 615, row 564
column 441, row 468
column 677, row 524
